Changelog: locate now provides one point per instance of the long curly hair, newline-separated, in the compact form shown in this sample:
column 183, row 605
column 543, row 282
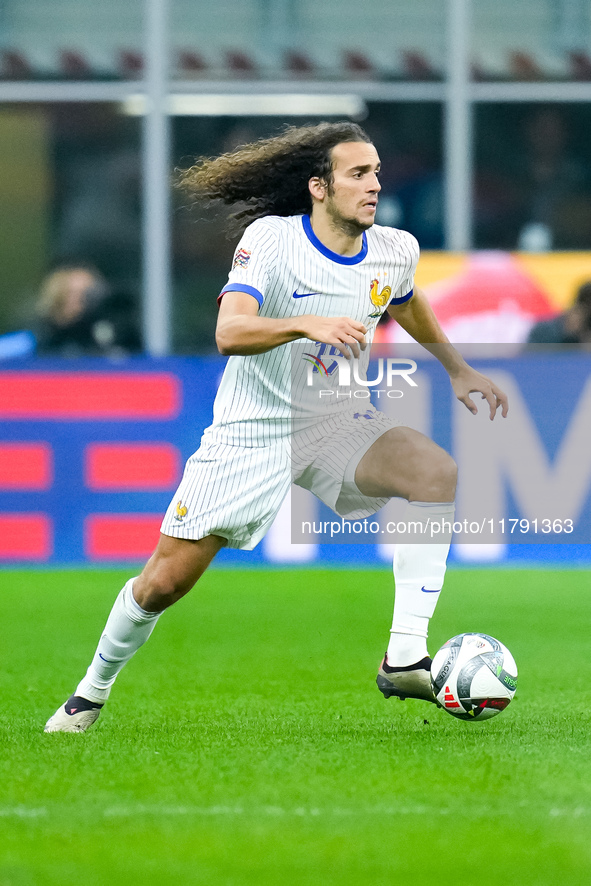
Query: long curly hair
column 270, row 176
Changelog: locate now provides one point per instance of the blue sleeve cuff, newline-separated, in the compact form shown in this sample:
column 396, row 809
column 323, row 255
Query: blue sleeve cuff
column 399, row 301
column 242, row 287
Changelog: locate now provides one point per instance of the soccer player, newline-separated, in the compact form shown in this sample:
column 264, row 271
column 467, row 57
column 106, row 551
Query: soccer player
column 311, row 266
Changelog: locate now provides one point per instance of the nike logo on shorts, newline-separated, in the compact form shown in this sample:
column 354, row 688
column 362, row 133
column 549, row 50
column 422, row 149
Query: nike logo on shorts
column 430, row 590
column 304, row 294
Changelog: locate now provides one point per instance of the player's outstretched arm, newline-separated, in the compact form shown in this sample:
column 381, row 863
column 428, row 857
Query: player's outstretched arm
column 417, row 318
column 241, row 331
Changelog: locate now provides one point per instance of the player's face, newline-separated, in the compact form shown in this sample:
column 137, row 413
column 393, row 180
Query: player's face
column 352, row 198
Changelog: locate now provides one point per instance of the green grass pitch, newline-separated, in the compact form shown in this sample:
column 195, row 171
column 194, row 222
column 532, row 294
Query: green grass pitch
column 247, row 743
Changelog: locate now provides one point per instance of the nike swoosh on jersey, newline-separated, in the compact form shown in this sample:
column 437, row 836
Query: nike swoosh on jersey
column 297, row 294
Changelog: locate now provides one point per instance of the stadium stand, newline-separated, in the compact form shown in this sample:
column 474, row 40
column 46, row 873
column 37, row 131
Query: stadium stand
column 531, row 40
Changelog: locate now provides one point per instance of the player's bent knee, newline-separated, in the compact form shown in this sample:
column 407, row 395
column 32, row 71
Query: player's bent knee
column 447, row 477
column 437, row 479
column 450, row 471
column 157, row 592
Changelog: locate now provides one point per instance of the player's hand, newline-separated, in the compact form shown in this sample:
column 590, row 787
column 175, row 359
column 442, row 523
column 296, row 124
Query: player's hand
column 468, row 381
column 346, row 335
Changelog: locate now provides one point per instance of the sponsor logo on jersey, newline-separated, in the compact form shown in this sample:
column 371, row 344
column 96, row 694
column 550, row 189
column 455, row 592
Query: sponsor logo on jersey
column 180, row 511
column 241, row 259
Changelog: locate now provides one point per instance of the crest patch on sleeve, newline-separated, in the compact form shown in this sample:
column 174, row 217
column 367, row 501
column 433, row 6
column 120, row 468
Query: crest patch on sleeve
column 241, row 259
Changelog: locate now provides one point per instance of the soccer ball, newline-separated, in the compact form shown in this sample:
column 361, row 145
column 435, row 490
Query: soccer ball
column 474, row 677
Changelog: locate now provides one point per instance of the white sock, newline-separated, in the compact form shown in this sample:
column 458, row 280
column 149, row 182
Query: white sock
column 419, row 570
column 128, row 627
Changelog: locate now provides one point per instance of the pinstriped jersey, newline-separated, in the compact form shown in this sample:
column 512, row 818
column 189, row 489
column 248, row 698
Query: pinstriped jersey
column 283, row 265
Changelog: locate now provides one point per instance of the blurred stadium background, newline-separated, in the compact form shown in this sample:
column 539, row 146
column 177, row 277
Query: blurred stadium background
column 212, row 766
column 481, row 113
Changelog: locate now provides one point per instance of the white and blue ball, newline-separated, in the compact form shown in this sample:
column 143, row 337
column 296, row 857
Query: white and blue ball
column 474, row 676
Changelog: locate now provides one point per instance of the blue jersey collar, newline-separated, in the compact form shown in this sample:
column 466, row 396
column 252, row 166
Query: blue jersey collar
column 333, row 256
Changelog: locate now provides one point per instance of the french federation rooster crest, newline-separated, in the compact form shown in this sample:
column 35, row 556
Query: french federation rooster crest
column 379, row 299
column 181, row 511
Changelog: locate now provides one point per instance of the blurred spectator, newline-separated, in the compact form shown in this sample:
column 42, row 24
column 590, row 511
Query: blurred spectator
column 80, row 315
column 422, row 209
column 571, row 327
column 532, row 182
column 409, row 144
column 553, row 178
column 97, row 196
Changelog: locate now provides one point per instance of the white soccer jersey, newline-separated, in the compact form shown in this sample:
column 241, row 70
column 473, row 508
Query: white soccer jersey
column 283, row 265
